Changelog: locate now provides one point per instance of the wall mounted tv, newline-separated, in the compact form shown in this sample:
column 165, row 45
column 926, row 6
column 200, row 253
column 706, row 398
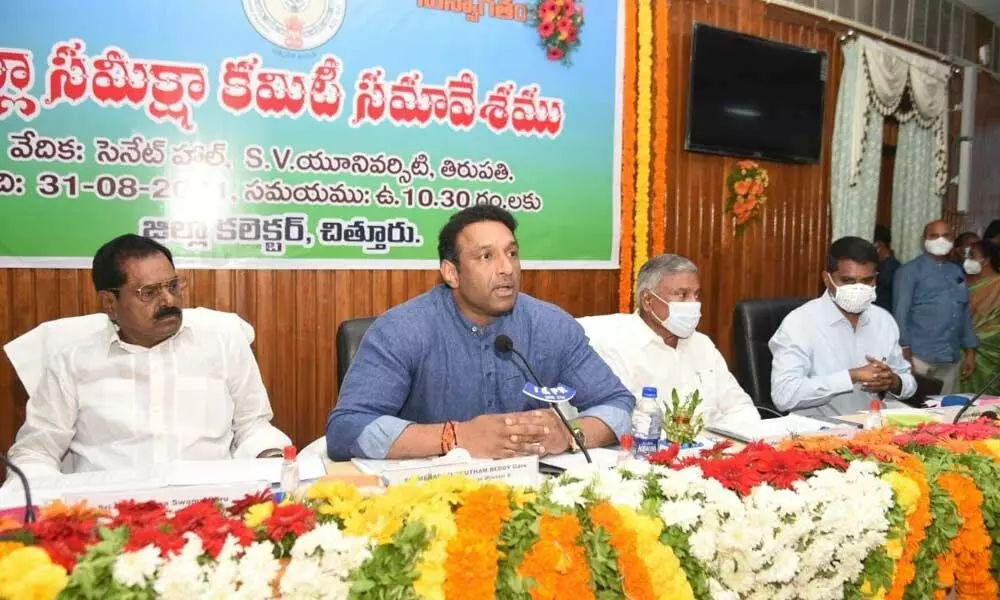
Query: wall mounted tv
column 753, row 97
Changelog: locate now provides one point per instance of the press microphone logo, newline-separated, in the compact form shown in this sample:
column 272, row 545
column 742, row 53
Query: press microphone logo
column 552, row 395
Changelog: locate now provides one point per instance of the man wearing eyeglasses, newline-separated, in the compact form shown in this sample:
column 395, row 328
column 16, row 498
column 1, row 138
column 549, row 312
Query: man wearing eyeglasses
column 150, row 388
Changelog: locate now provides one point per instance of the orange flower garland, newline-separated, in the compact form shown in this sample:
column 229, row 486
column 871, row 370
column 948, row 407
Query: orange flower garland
column 916, row 526
column 746, row 185
column 637, row 584
column 557, row 563
column 966, row 564
column 628, row 158
column 471, row 569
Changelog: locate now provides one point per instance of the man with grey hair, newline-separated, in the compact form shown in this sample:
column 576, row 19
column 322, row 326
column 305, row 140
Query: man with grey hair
column 658, row 346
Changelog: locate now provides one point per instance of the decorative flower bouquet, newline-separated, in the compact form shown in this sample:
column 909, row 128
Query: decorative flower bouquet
column 746, row 185
column 681, row 423
column 558, row 23
column 887, row 514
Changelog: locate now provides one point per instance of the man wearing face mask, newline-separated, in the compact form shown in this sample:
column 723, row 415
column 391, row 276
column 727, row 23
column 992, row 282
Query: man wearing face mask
column 658, row 346
column 835, row 354
column 931, row 306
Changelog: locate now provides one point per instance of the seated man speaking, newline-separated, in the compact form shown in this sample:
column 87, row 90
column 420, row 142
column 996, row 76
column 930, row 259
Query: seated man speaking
column 835, row 354
column 150, row 388
column 428, row 376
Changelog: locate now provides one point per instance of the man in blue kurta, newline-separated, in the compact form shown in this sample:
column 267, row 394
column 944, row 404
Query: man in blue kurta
column 931, row 306
column 428, row 377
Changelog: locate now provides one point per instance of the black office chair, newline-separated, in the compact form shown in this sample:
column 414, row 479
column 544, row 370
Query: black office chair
column 754, row 322
column 349, row 336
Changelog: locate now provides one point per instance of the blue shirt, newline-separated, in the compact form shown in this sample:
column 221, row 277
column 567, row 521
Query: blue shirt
column 424, row 362
column 931, row 306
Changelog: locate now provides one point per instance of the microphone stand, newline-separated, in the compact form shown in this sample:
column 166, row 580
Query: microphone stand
column 972, row 400
column 29, row 511
column 579, row 442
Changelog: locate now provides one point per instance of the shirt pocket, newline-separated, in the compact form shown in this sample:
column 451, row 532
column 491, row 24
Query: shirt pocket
column 960, row 294
column 108, row 410
column 204, row 407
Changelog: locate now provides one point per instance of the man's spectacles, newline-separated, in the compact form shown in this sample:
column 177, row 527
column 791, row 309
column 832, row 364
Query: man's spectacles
column 151, row 291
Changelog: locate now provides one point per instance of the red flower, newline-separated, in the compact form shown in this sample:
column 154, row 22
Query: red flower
column 666, row 456
column 556, row 53
column 781, row 471
column 241, row 506
column 570, row 37
column 193, row 517
column 64, row 538
column 732, row 473
column 215, row 531
column 546, row 29
column 169, row 543
column 289, row 519
column 139, row 514
column 548, row 10
column 566, row 25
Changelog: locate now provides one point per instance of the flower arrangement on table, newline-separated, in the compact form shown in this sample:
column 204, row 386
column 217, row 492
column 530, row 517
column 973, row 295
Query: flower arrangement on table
column 746, row 185
column 889, row 514
column 558, row 23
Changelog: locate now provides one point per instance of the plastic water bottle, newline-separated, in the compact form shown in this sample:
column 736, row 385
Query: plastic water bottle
column 647, row 423
column 289, row 471
column 874, row 418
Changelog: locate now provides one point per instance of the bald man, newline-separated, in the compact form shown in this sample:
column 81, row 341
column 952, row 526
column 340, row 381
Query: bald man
column 931, row 306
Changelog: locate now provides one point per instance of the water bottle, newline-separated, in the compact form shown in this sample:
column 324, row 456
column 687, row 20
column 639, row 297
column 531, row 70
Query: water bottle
column 289, row 471
column 874, row 418
column 647, row 423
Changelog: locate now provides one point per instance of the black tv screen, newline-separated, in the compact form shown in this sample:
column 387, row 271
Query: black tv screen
column 753, row 97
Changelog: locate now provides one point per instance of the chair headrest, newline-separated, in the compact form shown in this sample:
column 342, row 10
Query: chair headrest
column 760, row 318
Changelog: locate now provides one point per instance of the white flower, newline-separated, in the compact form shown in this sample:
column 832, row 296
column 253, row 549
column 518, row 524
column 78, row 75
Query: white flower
column 683, row 513
column 569, row 495
column 322, row 562
column 635, row 467
column 135, row 568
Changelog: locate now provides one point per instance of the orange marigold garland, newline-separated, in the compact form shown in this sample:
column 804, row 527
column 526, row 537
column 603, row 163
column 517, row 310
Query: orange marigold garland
column 471, row 569
column 661, row 123
column 627, row 230
column 557, row 563
column 635, row 577
column 966, row 564
column 916, row 527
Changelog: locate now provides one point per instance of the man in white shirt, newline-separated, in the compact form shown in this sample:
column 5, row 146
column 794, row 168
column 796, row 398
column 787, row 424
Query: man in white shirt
column 149, row 389
column 658, row 346
column 837, row 353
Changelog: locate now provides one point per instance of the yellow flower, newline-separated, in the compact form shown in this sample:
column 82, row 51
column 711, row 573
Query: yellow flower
column 866, row 589
column 907, row 491
column 523, row 496
column 437, row 516
column 894, row 548
column 993, row 447
column 665, row 572
column 28, row 574
column 258, row 513
column 8, row 547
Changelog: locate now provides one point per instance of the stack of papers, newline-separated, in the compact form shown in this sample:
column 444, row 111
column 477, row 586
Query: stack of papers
column 777, row 429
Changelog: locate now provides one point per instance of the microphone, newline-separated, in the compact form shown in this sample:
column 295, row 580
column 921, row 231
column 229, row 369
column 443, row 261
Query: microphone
column 29, row 512
column 973, row 399
column 504, row 344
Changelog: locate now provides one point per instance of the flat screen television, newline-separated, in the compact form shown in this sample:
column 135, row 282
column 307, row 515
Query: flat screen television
column 753, row 97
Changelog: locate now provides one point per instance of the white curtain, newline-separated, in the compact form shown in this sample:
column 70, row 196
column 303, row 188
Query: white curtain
column 914, row 203
column 875, row 78
column 854, row 193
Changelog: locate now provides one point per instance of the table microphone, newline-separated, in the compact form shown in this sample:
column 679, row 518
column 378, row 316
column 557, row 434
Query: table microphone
column 968, row 404
column 29, row 512
column 504, row 344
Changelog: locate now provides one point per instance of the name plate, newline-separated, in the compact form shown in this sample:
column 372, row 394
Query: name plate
column 521, row 470
column 173, row 497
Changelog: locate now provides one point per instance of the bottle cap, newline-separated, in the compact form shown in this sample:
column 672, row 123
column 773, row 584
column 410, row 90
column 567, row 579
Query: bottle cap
column 288, row 453
column 649, row 392
column 627, row 441
column 875, row 405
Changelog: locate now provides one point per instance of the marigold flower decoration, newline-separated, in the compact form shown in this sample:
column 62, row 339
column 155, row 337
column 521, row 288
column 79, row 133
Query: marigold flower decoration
column 558, row 23
column 746, row 185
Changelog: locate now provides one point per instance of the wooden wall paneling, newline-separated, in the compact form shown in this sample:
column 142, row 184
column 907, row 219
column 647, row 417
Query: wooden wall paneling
column 984, row 199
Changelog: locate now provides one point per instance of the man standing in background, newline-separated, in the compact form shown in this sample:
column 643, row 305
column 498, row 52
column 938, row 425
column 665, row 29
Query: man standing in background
column 887, row 265
column 931, row 306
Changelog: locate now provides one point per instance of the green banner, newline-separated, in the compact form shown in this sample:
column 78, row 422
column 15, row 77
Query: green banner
column 305, row 134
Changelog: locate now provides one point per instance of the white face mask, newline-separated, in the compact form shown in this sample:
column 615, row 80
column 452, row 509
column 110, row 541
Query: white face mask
column 683, row 318
column 854, row 298
column 972, row 267
column 938, row 246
